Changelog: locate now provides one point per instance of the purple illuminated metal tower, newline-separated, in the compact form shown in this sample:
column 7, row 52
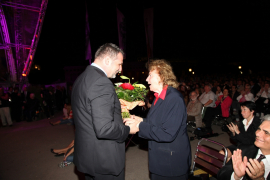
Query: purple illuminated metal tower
column 20, row 66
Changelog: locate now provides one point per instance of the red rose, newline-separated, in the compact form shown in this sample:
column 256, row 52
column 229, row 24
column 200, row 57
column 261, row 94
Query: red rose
column 127, row 86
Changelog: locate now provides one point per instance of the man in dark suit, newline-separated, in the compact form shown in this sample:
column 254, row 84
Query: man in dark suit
column 237, row 168
column 100, row 135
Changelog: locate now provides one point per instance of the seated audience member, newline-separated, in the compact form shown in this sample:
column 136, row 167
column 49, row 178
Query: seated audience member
column 198, row 91
column 218, row 92
column 207, row 100
column 4, row 109
column 31, row 107
column 235, row 104
column 255, row 164
column 223, row 104
column 66, row 152
column 65, row 120
column 255, row 87
column 262, row 99
column 240, row 86
column 183, row 90
column 245, row 133
column 245, row 95
column 194, row 109
column 226, row 85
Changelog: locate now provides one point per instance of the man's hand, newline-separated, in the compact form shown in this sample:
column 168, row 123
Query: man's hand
column 132, row 123
column 133, row 128
column 239, row 166
column 255, row 169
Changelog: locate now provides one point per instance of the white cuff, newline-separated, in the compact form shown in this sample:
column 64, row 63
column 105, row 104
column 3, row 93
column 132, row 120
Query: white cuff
column 138, row 125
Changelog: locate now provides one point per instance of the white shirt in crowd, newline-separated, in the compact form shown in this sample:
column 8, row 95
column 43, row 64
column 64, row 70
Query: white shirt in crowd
column 248, row 97
column 205, row 97
column 263, row 94
column 245, row 123
column 219, row 94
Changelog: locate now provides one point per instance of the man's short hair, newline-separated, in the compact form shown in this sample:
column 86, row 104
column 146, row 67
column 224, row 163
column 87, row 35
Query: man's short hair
column 193, row 92
column 208, row 86
column 108, row 49
column 249, row 104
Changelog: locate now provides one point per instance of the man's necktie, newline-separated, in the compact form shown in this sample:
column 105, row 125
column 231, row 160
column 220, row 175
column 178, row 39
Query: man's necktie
column 261, row 157
column 259, row 160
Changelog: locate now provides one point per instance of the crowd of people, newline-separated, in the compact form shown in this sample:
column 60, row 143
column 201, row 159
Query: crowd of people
column 28, row 103
column 207, row 99
column 93, row 107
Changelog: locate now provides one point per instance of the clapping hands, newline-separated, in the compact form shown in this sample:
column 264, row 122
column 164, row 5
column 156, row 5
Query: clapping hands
column 233, row 128
column 253, row 168
column 239, row 165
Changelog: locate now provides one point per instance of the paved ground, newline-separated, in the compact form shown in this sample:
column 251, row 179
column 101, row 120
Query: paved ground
column 25, row 152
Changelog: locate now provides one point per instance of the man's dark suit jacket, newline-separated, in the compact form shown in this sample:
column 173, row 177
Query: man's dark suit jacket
column 247, row 150
column 100, row 133
column 165, row 128
column 247, row 137
column 255, row 89
column 236, row 94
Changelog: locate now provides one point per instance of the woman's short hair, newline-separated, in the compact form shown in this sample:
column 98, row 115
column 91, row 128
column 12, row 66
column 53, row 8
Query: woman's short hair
column 165, row 72
column 249, row 104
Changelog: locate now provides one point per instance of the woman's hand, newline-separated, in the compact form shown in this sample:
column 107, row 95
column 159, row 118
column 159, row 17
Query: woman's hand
column 236, row 129
column 133, row 124
column 230, row 126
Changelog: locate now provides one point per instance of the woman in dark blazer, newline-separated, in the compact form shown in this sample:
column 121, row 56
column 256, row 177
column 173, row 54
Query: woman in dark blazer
column 165, row 126
column 245, row 132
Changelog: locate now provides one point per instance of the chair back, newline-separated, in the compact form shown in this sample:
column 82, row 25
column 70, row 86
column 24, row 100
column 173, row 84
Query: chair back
column 208, row 158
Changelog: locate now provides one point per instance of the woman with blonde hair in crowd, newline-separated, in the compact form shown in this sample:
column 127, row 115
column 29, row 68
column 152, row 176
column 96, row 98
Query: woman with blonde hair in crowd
column 66, row 119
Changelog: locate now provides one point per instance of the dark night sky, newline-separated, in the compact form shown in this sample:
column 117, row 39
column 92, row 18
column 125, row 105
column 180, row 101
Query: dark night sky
column 205, row 31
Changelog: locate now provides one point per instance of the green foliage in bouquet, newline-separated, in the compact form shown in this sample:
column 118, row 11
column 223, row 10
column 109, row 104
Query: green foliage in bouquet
column 125, row 115
column 130, row 93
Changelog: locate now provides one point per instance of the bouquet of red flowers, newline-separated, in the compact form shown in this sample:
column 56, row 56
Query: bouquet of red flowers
column 130, row 95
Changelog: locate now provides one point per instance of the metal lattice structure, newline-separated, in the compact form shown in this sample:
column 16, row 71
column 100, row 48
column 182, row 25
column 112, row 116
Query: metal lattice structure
column 6, row 46
column 21, row 24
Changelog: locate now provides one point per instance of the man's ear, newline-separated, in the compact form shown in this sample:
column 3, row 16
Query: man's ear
column 107, row 61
